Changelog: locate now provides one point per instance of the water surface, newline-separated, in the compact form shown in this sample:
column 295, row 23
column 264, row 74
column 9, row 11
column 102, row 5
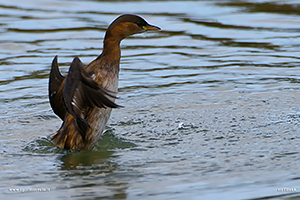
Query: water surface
column 211, row 101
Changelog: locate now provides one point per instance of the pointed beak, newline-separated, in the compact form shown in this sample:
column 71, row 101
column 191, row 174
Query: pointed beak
column 151, row 28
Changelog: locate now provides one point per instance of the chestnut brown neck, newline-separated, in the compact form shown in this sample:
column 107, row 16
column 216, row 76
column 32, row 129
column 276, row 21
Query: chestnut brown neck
column 111, row 45
column 111, row 49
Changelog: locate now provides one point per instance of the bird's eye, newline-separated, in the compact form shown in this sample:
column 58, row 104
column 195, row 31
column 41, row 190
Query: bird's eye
column 139, row 23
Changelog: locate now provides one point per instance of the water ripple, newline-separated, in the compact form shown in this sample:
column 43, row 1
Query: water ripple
column 188, row 113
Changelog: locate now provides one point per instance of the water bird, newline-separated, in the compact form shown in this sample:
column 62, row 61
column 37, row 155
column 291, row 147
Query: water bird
column 85, row 97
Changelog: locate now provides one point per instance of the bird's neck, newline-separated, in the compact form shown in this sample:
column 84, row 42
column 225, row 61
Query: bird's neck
column 109, row 59
column 111, row 48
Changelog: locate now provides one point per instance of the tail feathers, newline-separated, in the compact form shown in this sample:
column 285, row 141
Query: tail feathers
column 71, row 134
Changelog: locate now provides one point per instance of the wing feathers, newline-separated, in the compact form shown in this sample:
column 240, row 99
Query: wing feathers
column 55, row 97
column 81, row 91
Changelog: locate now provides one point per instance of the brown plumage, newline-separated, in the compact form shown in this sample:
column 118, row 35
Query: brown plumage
column 84, row 99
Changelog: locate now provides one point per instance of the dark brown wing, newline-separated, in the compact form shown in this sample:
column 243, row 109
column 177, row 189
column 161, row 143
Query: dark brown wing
column 81, row 91
column 55, row 90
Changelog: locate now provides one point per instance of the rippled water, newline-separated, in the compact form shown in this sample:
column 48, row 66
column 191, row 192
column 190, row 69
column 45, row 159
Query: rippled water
column 211, row 101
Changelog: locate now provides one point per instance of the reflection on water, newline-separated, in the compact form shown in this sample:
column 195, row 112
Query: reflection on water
column 82, row 160
column 265, row 7
column 210, row 101
column 96, row 169
column 86, row 170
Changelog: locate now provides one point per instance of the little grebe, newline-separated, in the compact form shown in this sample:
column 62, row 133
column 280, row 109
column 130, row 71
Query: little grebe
column 84, row 99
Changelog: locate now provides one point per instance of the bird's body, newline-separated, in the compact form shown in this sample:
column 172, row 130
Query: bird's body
column 85, row 98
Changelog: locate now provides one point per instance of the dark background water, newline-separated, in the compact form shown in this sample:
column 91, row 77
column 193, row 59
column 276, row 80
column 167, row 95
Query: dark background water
column 211, row 101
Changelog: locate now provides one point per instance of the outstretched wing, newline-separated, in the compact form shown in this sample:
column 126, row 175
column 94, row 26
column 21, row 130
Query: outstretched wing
column 81, row 91
column 56, row 82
